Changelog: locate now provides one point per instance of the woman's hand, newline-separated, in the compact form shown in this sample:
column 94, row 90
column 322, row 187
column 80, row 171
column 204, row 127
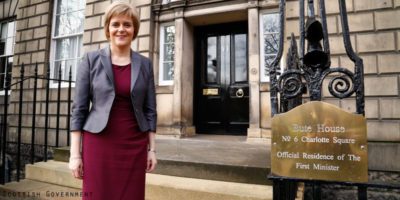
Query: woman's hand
column 76, row 166
column 151, row 161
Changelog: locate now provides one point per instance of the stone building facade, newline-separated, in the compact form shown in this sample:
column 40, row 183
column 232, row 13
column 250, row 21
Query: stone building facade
column 33, row 40
column 185, row 39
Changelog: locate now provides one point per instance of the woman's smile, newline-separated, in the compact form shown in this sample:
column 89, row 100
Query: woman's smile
column 121, row 31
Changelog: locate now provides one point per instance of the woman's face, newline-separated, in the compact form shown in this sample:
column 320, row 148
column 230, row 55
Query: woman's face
column 121, row 31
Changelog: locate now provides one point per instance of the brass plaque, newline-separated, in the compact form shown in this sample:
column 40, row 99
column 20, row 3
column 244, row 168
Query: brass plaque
column 319, row 141
column 210, row 91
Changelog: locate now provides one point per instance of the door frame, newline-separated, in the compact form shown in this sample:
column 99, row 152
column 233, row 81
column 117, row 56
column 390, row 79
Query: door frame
column 199, row 58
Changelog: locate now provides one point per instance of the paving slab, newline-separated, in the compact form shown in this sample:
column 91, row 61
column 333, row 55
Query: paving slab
column 215, row 149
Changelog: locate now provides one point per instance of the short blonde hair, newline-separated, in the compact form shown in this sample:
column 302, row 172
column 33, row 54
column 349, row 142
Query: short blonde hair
column 119, row 8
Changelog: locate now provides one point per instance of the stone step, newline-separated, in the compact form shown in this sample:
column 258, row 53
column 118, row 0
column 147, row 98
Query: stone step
column 162, row 187
column 159, row 187
column 53, row 172
column 211, row 171
column 61, row 154
column 221, row 158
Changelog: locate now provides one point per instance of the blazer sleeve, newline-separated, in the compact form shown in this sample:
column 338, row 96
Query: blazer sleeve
column 150, row 106
column 80, row 106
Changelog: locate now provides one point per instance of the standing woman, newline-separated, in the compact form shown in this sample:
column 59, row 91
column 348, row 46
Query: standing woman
column 118, row 128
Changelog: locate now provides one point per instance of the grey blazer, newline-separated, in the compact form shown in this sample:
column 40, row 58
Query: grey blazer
column 95, row 85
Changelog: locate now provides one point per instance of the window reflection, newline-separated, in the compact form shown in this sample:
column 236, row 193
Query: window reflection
column 271, row 23
column 240, row 58
column 169, row 34
column 69, row 23
column 271, row 44
column 68, row 32
column 226, row 57
column 270, row 40
column 66, row 48
column 5, row 69
column 7, row 38
column 168, row 52
column 65, row 6
column 7, row 42
column 212, row 64
column 69, row 17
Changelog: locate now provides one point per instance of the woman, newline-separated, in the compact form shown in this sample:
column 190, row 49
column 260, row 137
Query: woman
column 118, row 129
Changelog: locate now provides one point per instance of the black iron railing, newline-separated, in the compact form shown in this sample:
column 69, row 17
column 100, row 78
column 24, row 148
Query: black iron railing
column 11, row 152
column 306, row 72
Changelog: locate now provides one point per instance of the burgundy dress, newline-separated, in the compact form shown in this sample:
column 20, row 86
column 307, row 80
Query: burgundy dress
column 114, row 161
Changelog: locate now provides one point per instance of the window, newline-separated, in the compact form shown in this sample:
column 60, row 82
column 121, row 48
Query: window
column 269, row 42
column 167, row 54
column 67, row 37
column 7, row 42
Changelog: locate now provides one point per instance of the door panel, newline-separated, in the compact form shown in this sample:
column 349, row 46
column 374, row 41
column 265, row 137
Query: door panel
column 222, row 92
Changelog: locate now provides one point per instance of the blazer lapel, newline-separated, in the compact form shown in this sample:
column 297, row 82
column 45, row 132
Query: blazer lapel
column 106, row 61
column 135, row 68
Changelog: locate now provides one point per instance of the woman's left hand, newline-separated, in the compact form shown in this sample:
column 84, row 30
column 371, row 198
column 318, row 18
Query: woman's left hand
column 151, row 161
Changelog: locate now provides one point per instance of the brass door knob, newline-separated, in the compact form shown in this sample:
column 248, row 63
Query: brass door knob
column 239, row 93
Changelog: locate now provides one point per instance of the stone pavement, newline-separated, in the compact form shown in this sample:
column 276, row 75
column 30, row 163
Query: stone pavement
column 215, row 149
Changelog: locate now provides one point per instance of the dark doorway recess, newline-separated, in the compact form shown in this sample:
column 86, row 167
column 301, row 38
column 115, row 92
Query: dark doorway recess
column 221, row 79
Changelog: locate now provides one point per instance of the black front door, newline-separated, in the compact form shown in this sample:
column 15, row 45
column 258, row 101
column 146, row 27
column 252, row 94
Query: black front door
column 222, row 90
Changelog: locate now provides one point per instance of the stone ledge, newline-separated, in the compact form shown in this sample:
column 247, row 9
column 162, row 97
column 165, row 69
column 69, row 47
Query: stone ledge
column 197, row 189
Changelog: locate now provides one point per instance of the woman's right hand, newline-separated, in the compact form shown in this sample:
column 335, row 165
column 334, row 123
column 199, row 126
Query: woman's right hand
column 76, row 167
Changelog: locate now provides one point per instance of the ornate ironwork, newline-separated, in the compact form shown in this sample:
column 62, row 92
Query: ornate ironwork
column 293, row 82
column 314, row 67
column 311, row 71
column 14, row 152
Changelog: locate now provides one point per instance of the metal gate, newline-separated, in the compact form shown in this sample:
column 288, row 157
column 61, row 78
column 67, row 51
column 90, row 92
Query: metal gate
column 15, row 154
column 306, row 73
